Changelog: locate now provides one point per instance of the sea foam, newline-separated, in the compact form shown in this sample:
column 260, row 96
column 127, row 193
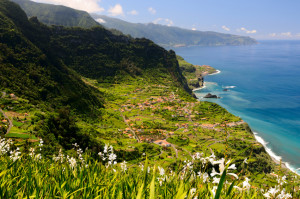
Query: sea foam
column 217, row 72
column 272, row 154
column 229, row 86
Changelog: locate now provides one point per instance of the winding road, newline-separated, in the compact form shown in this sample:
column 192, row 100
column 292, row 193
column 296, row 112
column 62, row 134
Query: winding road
column 10, row 122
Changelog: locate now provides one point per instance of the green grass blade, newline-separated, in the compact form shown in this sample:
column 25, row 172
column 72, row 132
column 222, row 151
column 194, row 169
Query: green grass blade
column 220, row 186
column 152, row 186
column 230, row 188
column 140, row 193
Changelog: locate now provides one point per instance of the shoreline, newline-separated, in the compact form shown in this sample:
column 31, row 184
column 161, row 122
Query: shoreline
column 215, row 73
column 200, row 88
column 204, row 86
column 277, row 159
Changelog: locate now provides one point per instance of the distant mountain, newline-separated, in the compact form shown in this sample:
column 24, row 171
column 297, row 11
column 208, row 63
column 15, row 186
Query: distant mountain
column 165, row 36
column 169, row 36
column 57, row 15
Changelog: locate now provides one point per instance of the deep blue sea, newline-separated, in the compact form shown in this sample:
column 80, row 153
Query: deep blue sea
column 264, row 89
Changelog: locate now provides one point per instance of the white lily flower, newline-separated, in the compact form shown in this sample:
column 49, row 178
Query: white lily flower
column 232, row 167
column 216, row 180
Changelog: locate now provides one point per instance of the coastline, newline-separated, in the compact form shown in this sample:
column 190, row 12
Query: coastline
column 215, row 73
column 204, row 74
column 202, row 87
column 275, row 158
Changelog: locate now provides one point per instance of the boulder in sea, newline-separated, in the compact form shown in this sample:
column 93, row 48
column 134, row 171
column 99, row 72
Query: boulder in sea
column 225, row 89
column 209, row 95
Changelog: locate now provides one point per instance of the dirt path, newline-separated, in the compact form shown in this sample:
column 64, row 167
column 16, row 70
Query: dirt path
column 135, row 136
column 10, row 122
column 176, row 151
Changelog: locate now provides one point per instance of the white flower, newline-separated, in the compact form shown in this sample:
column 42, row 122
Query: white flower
column 199, row 174
column 142, row 167
column 112, row 157
column 15, row 155
column 205, row 177
column 59, row 157
column 222, row 168
column 72, row 162
column 31, row 152
column 271, row 193
column 267, row 195
column 160, row 180
column 38, row 157
column 124, row 166
column 111, row 149
column 214, row 191
column 246, row 184
column 232, row 167
column 245, row 161
column 216, row 180
column 282, row 195
column 4, row 146
column 213, row 173
column 161, row 171
column 105, row 148
column 193, row 191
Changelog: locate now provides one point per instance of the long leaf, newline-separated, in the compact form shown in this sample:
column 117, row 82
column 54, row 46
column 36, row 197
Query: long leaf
column 230, row 188
column 152, row 186
column 220, row 186
column 140, row 193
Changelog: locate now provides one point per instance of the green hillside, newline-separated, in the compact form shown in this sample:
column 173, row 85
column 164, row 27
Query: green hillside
column 173, row 36
column 57, row 15
column 34, row 74
column 85, row 113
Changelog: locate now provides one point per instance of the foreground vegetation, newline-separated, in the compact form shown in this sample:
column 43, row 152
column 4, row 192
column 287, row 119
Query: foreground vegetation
column 28, row 174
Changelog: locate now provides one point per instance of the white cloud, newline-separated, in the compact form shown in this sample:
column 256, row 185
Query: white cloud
column 298, row 35
column 225, row 28
column 116, row 10
column 194, row 29
column 163, row 21
column 152, row 10
column 247, row 31
column 86, row 5
column 272, row 34
column 133, row 12
column 286, row 34
column 101, row 20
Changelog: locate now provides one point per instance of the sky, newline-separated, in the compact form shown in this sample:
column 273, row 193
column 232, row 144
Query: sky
column 260, row 19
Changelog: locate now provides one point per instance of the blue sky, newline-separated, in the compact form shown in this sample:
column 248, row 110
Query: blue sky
column 260, row 19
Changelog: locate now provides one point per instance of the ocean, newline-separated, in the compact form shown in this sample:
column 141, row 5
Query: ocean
column 263, row 83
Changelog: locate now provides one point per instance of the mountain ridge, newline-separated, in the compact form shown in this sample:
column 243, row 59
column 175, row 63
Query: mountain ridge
column 170, row 36
column 163, row 35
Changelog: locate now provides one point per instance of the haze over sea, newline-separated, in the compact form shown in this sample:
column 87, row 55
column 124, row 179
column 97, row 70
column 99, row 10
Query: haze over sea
column 264, row 89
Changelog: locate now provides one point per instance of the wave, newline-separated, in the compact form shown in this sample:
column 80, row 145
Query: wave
column 217, row 72
column 228, row 86
column 272, row 154
column 202, row 87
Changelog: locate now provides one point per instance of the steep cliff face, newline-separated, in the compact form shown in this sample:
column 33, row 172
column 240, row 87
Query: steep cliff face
column 44, row 63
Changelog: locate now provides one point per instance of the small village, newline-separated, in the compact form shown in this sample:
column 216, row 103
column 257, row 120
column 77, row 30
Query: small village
column 159, row 116
column 154, row 115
